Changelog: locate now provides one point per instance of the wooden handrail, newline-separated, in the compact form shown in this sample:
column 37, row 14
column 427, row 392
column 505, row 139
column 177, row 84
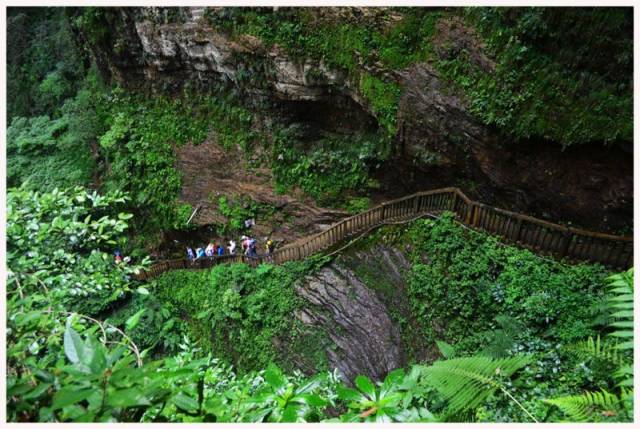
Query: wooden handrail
column 526, row 231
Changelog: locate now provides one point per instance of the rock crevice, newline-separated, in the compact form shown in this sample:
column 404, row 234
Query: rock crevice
column 366, row 340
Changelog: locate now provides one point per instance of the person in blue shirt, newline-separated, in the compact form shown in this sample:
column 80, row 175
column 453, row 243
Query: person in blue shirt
column 252, row 247
column 190, row 255
column 220, row 250
column 200, row 253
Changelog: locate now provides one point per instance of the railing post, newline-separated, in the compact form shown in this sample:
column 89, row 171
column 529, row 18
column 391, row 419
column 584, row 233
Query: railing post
column 384, row 212
column 516, row 235
column 471, row 208
column 566, row 241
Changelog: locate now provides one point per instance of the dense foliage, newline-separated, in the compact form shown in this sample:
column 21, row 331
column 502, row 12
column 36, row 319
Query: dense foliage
column 60, row 150
column 511, row 336
column 547, row 81
column 480, row 278
column 237, row 311
column 469, row 290
column 67, row 365
column 41, row 75
column 331, row 170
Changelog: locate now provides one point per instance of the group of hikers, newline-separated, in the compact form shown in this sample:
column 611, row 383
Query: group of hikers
column 249, row 248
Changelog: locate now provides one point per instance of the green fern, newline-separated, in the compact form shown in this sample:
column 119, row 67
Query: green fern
column 586, row 406
column 466, row 382
column 446, row 349
column 582, row 408
column 621, row 307
column 502, row 340
column 624, row 375
column 597, row 349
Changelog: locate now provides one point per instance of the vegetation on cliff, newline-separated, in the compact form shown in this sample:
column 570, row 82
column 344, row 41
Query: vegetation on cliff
column 545, row 82
column 512, row 336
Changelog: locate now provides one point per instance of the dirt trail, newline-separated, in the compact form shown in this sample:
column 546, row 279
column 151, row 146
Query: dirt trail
column 210, row 171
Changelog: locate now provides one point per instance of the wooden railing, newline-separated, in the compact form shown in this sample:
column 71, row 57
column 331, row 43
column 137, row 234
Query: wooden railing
column 560, row 241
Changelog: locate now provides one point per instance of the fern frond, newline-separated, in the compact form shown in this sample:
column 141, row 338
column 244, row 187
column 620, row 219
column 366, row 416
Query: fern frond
column 502, row 340
column 510, row 325
column 499, row 345
column 446, row 349
column 625, row 376
column 466, row 382
column 597, row 349
column 582, row 408
column 620, row 304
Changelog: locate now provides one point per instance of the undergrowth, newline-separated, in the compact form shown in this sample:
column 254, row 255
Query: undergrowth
column 237, row 311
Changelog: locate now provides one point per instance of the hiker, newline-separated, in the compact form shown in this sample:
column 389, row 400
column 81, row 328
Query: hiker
column 270, row 246
column 248, row 223
column 190, row 255
column 209, row 251
column 252, row 247
column 244, row 241
column 199, row 253
column 220, row 250
column 232, row 247
column 117, row 256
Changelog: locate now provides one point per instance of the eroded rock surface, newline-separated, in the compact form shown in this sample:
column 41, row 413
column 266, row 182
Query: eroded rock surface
column 343, row 304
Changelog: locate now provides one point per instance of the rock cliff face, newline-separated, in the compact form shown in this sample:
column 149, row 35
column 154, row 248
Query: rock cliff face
column 345, row 304
column 439, row 142
column 590, row 184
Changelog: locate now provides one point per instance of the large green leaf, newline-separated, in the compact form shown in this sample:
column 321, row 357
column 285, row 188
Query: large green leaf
column 132, row 321
column 346, row 394
column 185, row 402
column 73, row 346
column 70, row 395
column 366, row 386
column 125, row 398
column 274, row 377
column 446, row 349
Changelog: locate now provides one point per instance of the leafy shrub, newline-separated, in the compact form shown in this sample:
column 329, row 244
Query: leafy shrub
column 237, row 310
column 474, row 277
column 238, row 210
column 330, row 169
column 157, row 329
column 358, row 204
column 62, row 241
column 59, row 260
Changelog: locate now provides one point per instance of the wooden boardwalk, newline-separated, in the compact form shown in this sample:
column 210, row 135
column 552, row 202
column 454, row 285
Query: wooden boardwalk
column 540, row 236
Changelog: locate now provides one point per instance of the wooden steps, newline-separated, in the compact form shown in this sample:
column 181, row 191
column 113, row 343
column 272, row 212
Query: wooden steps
column 540, row 236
